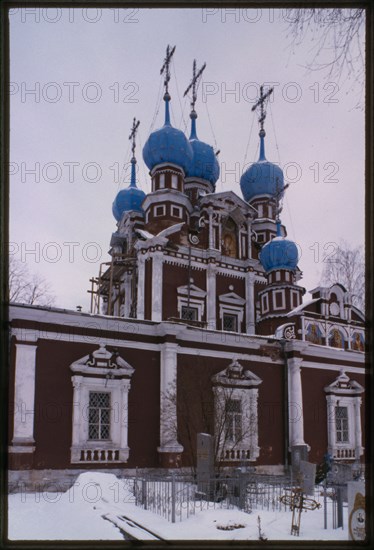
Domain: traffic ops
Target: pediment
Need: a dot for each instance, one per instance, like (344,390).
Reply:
(194,291)
(102,361)
(228,200)
(232,298)
(235,375)
(343,385)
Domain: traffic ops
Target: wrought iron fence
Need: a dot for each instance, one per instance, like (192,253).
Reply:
(176,498)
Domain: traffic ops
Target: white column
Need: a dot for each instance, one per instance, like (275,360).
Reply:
(250,303)
(157,287)
(331,424)
(211,297)
(124,419)
(295,403)
(249,241)
(140,287)
(127,288)
(24,398)
(358,432)
(77,415)
(168,397)
(255,450)
(210,229)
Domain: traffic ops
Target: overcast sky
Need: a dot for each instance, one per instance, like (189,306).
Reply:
(80,76)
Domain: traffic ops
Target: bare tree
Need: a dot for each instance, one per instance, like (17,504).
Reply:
(338,38)
(347,266)
(28,288)
(199,410)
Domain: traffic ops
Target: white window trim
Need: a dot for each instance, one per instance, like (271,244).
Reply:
(277,276)
(247,392)
(349,449)
(118,422)
(231,310)
(282,293)
(163,210)
(197,299)
(294,299)
(287,276)
(161,181)
(194,302)
(180,212)
(114,379)
(265,298)
(344,392)
(174,181)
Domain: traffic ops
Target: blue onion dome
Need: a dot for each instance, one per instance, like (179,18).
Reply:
(130,198)
(279,253)
(262,177)
(167,145)
(204,163)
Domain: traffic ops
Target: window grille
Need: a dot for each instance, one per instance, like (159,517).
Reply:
(341,419)
(99,416)
(189,313)
(230,322)
(234,420)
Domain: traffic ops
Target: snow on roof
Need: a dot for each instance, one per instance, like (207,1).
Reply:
(302,306)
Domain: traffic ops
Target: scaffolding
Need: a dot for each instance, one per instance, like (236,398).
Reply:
(109,279)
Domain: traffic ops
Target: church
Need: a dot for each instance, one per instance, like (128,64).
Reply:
(197,325)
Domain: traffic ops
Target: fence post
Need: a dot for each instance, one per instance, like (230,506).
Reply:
(173,498)
(324,504)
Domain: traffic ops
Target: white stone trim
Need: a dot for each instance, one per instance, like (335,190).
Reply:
(250,303)
(24,396)
(211,296)
(168,405)
(282,293)
(265,298)
(353,447)
(247,446)
(157,285)
(119,416)
(295,403)
(157,207)
(140,291)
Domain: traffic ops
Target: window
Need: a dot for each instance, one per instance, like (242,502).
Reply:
(295,298)
(100,381)
(162,181)
(190,313)
(260,237)
(99,416)
(260,210)
(234,420)
(174,181)
(230,322)
(279,299)
(176,211)
(277,276)
(265,303)
(344,431)
(160,210)
(235,392)
(341,422)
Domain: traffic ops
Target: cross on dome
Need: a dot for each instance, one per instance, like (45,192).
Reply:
(261,104)
(194,83)
(166,67)
(132,136)
(134,129)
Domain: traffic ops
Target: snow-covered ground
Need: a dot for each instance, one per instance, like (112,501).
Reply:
(101,507)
